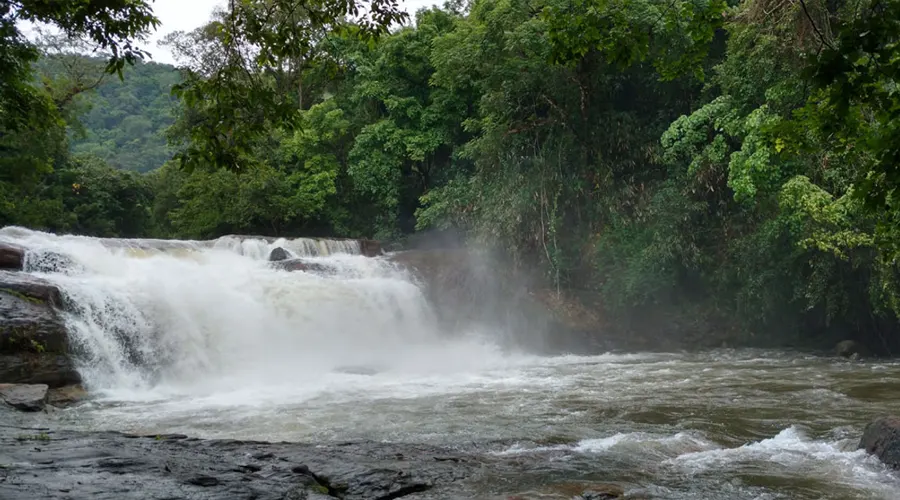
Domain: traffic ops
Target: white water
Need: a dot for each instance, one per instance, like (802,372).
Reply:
(205,338)
(185,317)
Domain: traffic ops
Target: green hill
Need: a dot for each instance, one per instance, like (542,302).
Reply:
(124,121)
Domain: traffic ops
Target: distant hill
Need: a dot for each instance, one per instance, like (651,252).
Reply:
(126,122)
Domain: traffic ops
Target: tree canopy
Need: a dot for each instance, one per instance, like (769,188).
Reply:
(726,166)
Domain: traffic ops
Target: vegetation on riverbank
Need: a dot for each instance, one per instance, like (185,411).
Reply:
(702,162)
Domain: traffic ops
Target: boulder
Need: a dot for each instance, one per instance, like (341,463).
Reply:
(66,396)
(11,256)
(278,254)
(370,248)
(33,341)
(53,369)
(882,439)
(303,265)
(850,349)
(25,397)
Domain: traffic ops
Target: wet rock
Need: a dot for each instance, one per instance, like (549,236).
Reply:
(11,256)
(33,340)
(24,397)
(30,287)
(279,254)
(605,492)
(61,464)
(370,248)
(850,349)
(882,439)
(55,370)
(67,395)
(304,265)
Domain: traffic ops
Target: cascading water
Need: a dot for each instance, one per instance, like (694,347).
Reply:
(197,317)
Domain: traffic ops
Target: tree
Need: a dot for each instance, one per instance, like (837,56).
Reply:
(237,90)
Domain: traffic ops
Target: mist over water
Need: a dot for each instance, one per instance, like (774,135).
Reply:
(208,339)
(196,317)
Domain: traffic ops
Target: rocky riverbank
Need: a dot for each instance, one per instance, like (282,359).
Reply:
(37,462)
(40,463)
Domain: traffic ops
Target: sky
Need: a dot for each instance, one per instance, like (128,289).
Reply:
(185,15)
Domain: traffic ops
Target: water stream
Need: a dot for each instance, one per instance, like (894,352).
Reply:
(207,339)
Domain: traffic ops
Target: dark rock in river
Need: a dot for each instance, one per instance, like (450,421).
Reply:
(882,439)
(24,397)
(604,493)
(11,256)
(278,254)
(303,265)
(108,465)
(33,341)
(370,248)
(850,349)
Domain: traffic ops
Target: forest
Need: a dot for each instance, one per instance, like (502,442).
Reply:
(734,161)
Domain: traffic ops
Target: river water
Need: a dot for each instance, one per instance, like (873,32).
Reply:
(207,339)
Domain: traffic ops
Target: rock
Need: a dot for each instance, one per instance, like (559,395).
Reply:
(33,341)
(370,248)
(882,439)
(67,395)
(11,256)
(52,465)
(605,492)
(304,265)
(278,254)
(850,349)
(24,397)
(30,287)
(55,370)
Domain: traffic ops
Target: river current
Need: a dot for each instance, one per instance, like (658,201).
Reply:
(207,339)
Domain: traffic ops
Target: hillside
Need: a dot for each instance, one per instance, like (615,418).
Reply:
(124,122)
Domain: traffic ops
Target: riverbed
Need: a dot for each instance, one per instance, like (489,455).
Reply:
(727,424)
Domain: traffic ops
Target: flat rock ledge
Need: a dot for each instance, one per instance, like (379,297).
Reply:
(39,463)
(24,397)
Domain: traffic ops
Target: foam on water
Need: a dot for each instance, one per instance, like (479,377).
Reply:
(793,452)
(219,317)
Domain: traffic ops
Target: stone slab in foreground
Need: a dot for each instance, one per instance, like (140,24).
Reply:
(24,397)
(36,463)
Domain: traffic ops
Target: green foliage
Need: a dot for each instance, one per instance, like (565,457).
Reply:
(127,120)
(248,80)
(720,162)
(673,35)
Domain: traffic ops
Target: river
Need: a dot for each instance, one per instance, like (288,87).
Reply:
(209,340)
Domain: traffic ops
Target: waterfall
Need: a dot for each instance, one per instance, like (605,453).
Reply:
(200,315)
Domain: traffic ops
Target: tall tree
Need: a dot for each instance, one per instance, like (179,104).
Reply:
(252,83)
